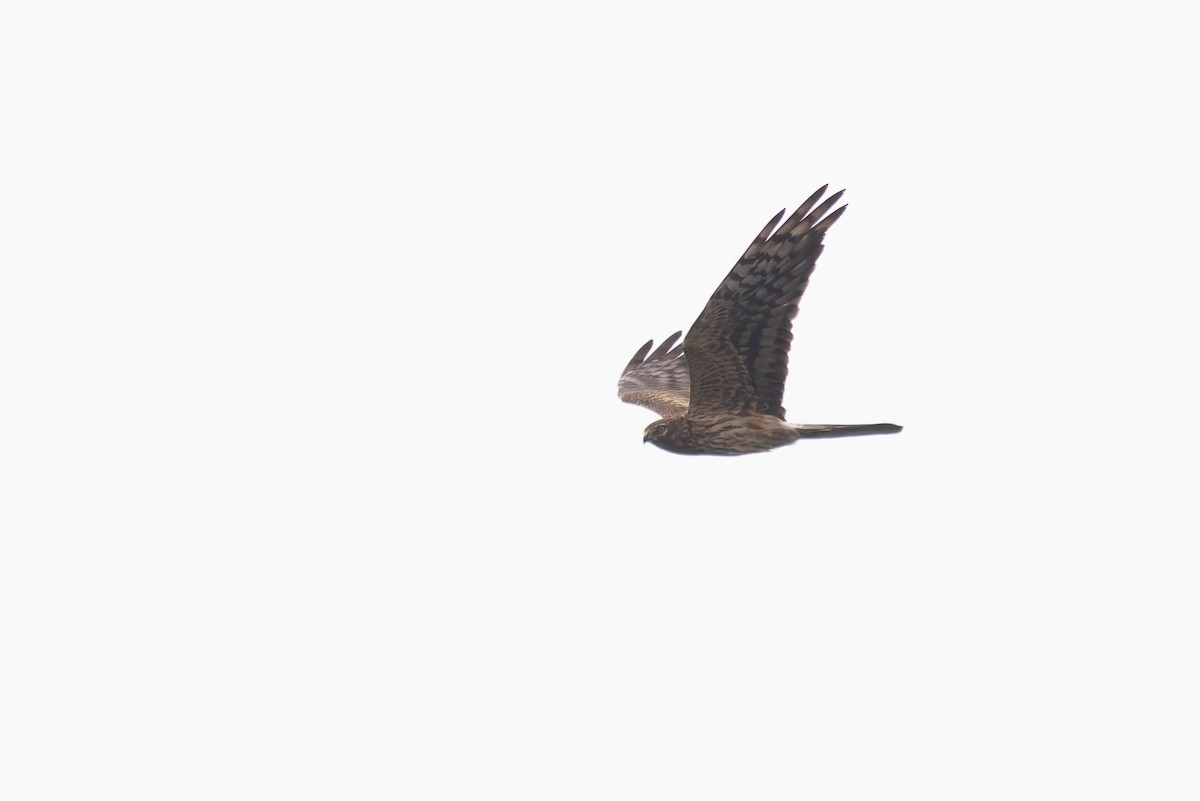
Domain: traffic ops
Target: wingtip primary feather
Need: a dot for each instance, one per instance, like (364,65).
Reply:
(665,346)
(801,218)
(665,349)
(814,197)
(831,218)
(828,203)
(817,219)
(638,357)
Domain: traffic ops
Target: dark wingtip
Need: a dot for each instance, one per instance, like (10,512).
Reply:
(816,220)
(644,355)
(675,351)
(638,357)
(665,346)
(803,217)
(832,217)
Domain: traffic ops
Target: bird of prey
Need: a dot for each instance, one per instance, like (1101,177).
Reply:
(721,390)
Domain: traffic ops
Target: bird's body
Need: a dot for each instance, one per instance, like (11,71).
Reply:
(723,434)
(721,391)
(737,434)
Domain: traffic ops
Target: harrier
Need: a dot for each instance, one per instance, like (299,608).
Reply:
(721,390)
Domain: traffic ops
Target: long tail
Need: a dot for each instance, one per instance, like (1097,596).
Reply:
(859,430)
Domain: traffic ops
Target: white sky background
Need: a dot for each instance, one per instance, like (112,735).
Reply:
(315,484)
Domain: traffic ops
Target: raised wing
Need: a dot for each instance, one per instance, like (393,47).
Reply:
(658,381)
(737,350)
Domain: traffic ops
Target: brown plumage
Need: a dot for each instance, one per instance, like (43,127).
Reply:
(721,390)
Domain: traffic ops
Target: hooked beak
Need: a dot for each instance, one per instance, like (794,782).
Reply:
(645,437)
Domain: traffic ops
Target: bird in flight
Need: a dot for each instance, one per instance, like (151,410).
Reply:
(721,390)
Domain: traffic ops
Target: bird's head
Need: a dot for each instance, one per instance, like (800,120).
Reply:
(670,434)
(655,431)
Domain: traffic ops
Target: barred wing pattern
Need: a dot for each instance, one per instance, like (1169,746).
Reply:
(658,381)
(737,350)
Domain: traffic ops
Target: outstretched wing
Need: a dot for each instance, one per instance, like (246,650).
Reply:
(737,350)
(658,381)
